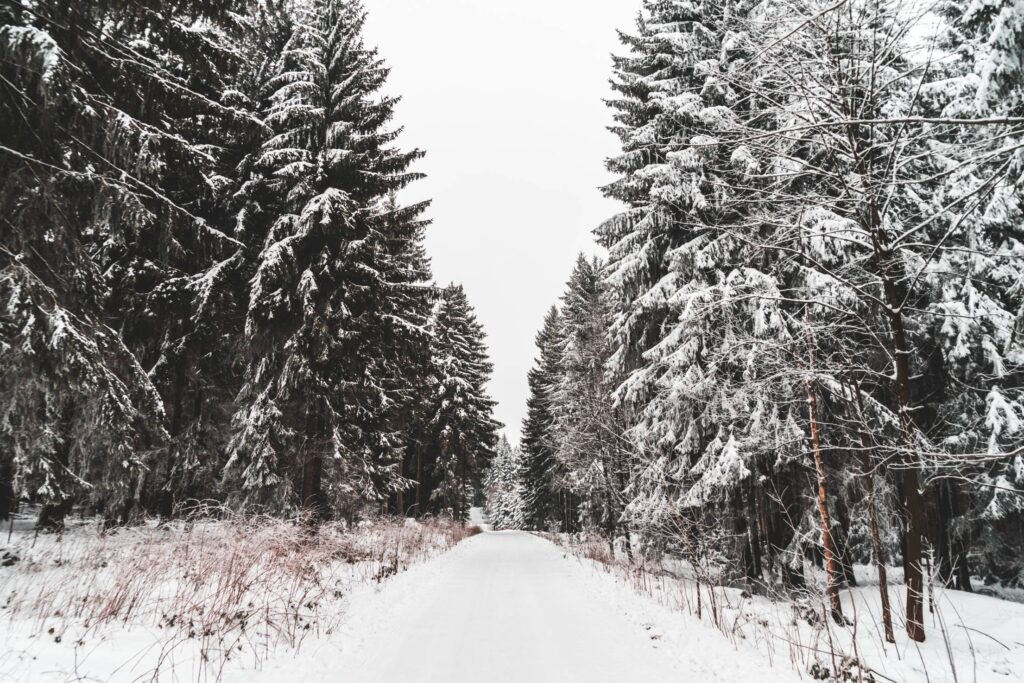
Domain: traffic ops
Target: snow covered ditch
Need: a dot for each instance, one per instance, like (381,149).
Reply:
(189,600)
(970,637)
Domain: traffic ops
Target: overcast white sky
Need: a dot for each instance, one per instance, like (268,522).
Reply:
(506,98)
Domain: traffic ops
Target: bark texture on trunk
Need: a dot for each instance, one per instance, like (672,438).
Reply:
(827,545)
(311,497)
(891,275)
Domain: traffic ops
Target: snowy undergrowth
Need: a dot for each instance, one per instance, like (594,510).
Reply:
(186,600)
(971,637)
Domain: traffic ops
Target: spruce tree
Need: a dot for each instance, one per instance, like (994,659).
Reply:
(592,453)
(463,433)
(546,503)
(106,116)
(677,259)
(405,309)
(195,350)
(504,489)
(330,282)
(976,302)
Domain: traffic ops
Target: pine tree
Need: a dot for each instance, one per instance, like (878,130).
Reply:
(672,93)
(107,167)
(194,352)
(683,275)
(976,302)
(545,502)
(592,453)
(504,489)
(314,428)
(463,433)
(405,339)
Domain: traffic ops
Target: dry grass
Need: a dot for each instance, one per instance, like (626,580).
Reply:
(801,635)
(795,627)
(251,583)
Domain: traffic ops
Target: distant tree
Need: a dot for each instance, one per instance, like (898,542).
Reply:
(504,489)
(463,433)
(546,503)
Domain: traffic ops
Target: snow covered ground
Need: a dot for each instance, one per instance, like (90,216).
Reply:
(970,637)
(189,602)
(499,606)
(510,607)
(505,606)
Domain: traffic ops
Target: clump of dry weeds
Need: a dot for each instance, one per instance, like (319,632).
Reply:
(222,583)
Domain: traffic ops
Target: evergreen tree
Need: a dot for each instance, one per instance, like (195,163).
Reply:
(672,92)
(683,275)
(504,490)
(592,453)
(194,353)
(545,502)
(106,117)
(463,433)
(211,289)
(314,426)
(405,339)
(976,301)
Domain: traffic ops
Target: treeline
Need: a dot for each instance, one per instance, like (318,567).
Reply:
(505,488)
(209,289)
(807,342)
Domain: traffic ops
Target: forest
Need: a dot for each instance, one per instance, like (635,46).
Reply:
(210,289)
(783,386)
(804,341)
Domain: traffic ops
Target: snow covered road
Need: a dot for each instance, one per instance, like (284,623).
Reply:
(511,607)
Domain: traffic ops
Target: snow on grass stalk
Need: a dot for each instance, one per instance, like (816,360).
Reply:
(974,633)
(219,586)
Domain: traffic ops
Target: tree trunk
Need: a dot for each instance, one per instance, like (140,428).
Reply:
(879,553)
(419,482)
(51,516)
(890,273)
(8,500)
(827,543)
(311,492)
(842,542)
(399,496)
(744,547)
(913,502)
(868,462)
(754,539)
(165,494)
(831,568)
(952,557)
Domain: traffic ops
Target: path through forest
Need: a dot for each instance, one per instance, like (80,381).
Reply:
(509,606)
(512,607)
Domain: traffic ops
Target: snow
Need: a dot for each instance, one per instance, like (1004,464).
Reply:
(500,606)
(476,516)
(513,607)
(46,54)
(971,636)
(193,603)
